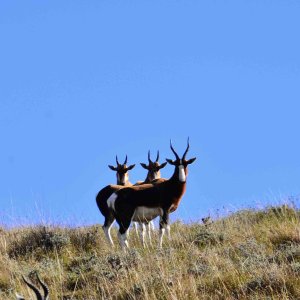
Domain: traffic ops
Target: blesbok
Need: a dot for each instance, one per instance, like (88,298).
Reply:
(153,174)
(36,291)
(105,193)
(122,176)
(145,202)
(122,172)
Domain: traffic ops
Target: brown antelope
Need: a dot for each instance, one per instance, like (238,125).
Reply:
(153,168)
(122,181)
(122,176)
(36,291)
(145,202)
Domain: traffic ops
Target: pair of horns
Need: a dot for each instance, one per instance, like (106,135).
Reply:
(149,159)
(186,151)
(125,162)
(36,290)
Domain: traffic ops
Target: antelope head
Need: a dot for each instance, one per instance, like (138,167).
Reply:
(122,171)
(153,167)
(181,163)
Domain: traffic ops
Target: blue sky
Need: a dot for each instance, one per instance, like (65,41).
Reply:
(82,81)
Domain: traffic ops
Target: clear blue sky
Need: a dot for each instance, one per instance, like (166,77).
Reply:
(82,81)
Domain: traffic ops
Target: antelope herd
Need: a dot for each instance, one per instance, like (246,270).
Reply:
(141,202)
(145,200)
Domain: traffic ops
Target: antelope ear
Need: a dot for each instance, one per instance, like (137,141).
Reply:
(112,168)
(130,167)
(144,166)
(190,160)
(163,165)
(170,161)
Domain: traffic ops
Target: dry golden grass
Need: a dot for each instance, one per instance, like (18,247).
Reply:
(247,255)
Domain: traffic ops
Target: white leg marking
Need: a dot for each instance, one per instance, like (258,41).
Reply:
(161,234)
(149,231)
(169,232)
(136,228)
(142,232)
(106,230)
(181,174)
(123,240)
(111,201)
(152,226)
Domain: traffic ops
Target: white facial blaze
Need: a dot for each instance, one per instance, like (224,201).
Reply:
(182,176)
(125,178)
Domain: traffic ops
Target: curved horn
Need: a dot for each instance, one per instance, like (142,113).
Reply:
(157,157)
(36,291)
(149,159)
(187,149)
(125,162)
(177,157)
(44,287)
(117,160)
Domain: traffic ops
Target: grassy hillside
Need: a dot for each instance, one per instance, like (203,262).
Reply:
(248,255)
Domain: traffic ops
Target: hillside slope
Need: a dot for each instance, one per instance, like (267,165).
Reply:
(247,255)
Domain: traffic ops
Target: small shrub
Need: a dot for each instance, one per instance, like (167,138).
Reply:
(5,284)
(205,237)
(115,262)
(84,239)
(281,239)
(284,211)
(41,238)
(199,269)
(83,264)
(251,254)
(124,261)
(268,283)
(295,266)
(87,269)
(132,259)
(289,252)
(136,292)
